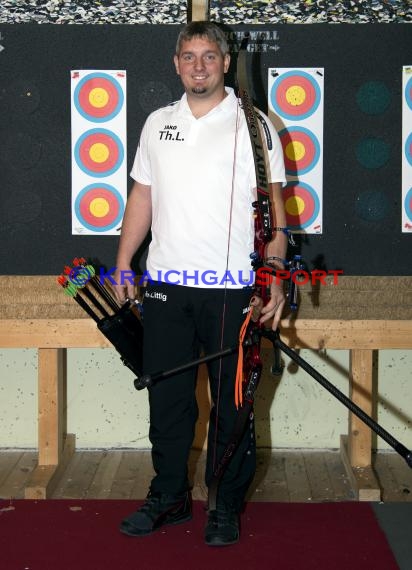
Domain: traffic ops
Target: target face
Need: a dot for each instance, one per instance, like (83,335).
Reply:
(408,93)
(99,152)
(408,149)
(408,204)
(99,207)
(301,205)
(295,95)
(98,97)
(301,150)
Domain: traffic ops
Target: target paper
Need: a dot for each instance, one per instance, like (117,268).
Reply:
(302,206)
(407,149)
(295,103)
(99,207)
(99,177)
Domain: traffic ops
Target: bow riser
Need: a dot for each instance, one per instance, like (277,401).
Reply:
(260,242)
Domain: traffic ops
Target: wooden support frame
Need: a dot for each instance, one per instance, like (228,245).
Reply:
(53,336)
(363,314)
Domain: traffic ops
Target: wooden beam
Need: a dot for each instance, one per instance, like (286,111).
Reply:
(316,334)
(347,334)
(198,10)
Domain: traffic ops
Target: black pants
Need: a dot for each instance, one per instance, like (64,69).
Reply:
(178,322)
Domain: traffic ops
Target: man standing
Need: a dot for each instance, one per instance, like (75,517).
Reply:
(194,187)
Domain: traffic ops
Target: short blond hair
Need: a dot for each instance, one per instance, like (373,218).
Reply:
(204,29)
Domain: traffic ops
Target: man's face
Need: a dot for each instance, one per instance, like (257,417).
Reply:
(201,67)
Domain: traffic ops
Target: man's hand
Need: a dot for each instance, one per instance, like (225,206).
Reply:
(124,287)
(274,307)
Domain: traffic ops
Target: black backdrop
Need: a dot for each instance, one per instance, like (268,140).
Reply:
(362,204)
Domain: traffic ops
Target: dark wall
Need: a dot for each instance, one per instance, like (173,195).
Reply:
(362,192)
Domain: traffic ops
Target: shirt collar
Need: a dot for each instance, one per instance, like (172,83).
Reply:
(224,106)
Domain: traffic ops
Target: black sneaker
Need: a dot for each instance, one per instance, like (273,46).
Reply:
(158,510)
(222,528)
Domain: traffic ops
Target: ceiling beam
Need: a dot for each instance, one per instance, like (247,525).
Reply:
(198,10)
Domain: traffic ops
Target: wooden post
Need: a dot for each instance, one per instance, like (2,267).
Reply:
(357,448)
(55,446)
(360,437)
(51,422)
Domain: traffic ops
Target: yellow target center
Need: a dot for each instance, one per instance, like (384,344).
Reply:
(294,205)
(295,150)
(98,97)
(99,207)
(295,95)
(99,152)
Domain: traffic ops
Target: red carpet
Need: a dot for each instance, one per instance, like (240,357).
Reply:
(83,535)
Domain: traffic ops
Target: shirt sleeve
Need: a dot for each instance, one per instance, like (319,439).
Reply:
(141,169)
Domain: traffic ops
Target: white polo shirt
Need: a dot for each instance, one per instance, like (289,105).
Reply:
(203,183)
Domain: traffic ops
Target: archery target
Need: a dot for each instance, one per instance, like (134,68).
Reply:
(301,150)
(408,93)
(302,205)
(99,207)
(98,97)
(99,152)
(408,204)
(99,177)
(295,104)
(408,149)
(295,95)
